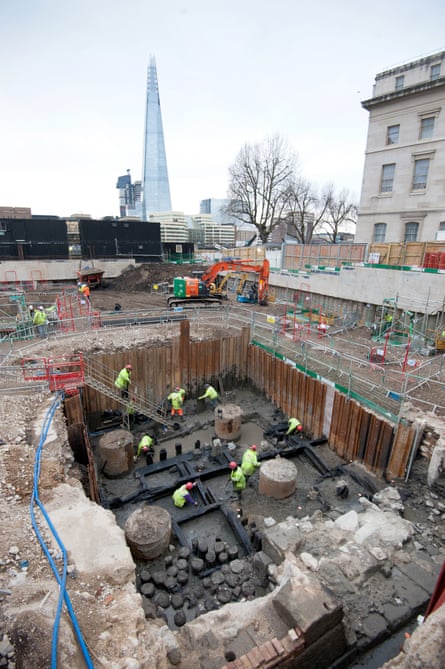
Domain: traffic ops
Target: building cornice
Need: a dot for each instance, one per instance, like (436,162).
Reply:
(403,93)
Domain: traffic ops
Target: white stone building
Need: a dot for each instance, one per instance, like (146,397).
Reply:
(174,228)
(403,187)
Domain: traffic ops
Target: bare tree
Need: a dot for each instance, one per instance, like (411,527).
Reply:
(339,211)
(305,209)
(259,180)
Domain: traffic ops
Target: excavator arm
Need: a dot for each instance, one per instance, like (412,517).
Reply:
(210,275)
(208,290)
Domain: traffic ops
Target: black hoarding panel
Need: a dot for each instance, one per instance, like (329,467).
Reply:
(45,250)
(120,238)
(18,229)
(46,230)
(42,238)
(8,250)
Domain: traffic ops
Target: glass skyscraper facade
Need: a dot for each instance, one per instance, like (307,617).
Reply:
(155,185)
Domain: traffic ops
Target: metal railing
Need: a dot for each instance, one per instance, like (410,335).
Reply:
(102,378)
(383,387)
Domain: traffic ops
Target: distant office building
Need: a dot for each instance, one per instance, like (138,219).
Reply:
(155,185)
(216,208)
(15,212)
(174,227)
(402,198)
(129,196)
(206,232)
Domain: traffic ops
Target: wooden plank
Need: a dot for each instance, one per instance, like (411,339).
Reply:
(363,436)
(402,444)
(343,428)
(310,402)
(320,401)
(339,401)
(386,437)
(286,390)
(372,442)
(352,444)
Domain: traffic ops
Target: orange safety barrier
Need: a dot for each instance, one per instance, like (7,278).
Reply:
(65,373)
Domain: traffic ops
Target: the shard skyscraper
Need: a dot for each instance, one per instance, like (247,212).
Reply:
(155,186)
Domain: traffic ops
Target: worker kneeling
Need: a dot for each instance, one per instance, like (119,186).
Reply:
(249,462)
(294,426)
(182,495)
(237,477)
(145,445)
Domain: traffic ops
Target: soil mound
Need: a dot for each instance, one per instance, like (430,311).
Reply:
(142,277)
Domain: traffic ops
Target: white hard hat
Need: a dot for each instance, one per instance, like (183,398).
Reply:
(41,308)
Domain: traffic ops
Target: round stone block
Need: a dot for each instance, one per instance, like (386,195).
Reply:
(278,478)
(148,532)
(116,452)
(228,422)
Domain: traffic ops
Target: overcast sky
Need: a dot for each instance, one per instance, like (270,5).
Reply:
(230,72)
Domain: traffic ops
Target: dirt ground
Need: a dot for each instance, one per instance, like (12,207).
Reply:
(26,580)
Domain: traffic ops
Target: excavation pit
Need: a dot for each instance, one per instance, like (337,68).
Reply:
(179,591)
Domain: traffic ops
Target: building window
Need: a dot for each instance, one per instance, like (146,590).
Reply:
(426,127)
(379,232)
(435,72)
(442,226)
(411,230)
(392,135)
(387,178)
(420,176)
(400,82)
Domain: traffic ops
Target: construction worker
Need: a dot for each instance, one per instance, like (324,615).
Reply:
(237,477)
(85,291)
(40,320)
(294,425)
(249,462)
(388,319)
(146,444)
(182,495)
(123,380)
(177,400)
(211,395)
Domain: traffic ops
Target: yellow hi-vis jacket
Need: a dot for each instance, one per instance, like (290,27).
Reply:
(238,479)
(145,443)
(292,425)
(177,398)
(123,379)
(249,462)
(210,394)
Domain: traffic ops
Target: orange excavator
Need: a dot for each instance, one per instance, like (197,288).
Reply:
(208,290)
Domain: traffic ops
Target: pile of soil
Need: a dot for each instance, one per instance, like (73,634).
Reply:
(143,277)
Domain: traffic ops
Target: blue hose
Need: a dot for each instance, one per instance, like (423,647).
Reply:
(61,579)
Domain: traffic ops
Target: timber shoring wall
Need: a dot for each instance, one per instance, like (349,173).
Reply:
(352,431)
(289,389)
(159,367)
(80,443)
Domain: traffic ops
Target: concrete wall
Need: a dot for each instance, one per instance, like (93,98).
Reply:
(56,270)
(417,291)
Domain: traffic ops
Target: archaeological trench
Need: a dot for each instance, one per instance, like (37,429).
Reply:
(317,560)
